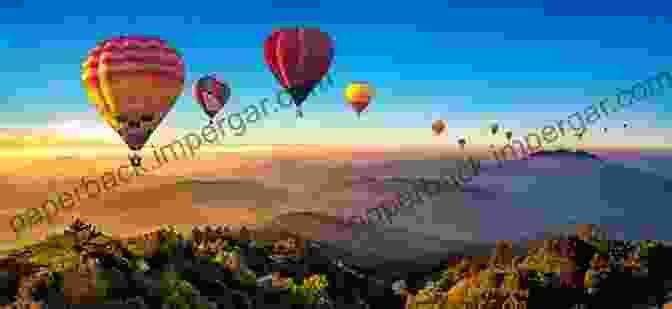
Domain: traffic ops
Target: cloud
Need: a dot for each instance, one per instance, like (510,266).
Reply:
(79,127)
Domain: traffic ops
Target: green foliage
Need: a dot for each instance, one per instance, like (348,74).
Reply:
(535,278)
(137,264)
(309,290)
(248,278)
(219,259)
(441,279)
(177,292)
(437,276)
(102,284)
(266,246)
(228,249)
(602,246)
(231,247)
(646,247)
(443,282)
(168,279)
(55,280)
(168,247)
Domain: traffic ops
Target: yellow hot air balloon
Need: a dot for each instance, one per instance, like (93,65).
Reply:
(359,95)
(133,82)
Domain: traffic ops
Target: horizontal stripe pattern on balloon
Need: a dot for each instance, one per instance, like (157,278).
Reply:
(159,57)
(137,55)
(146,62)
(134,83)
(169,72)
(120,57)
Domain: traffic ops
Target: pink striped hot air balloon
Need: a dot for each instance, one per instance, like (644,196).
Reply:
(134,81)
(299,58)
(211,94)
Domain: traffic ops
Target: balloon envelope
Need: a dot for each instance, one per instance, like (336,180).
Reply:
(211,94)
(438,126)
(134,82)
(299,58)
(494,128)
(359,94)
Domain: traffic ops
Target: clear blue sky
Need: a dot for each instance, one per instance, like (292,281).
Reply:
(426,58)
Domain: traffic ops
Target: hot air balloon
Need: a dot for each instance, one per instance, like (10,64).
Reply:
(494,127)
(134,81)
(438,126)
(299,58)
(211,94)
(462,141)
(359,94)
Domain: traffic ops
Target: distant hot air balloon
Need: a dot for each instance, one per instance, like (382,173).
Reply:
(133,81)
(438,126)
(508,135)
(211,94)
(494,127)
(359,95)
(462,141)
(299,58)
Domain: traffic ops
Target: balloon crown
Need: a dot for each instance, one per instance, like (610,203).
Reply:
(131,38)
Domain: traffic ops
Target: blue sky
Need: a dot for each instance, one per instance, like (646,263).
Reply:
(464,61)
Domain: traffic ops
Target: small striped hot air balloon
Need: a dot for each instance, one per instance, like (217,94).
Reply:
(134,81)
(211,95)
(359,95)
